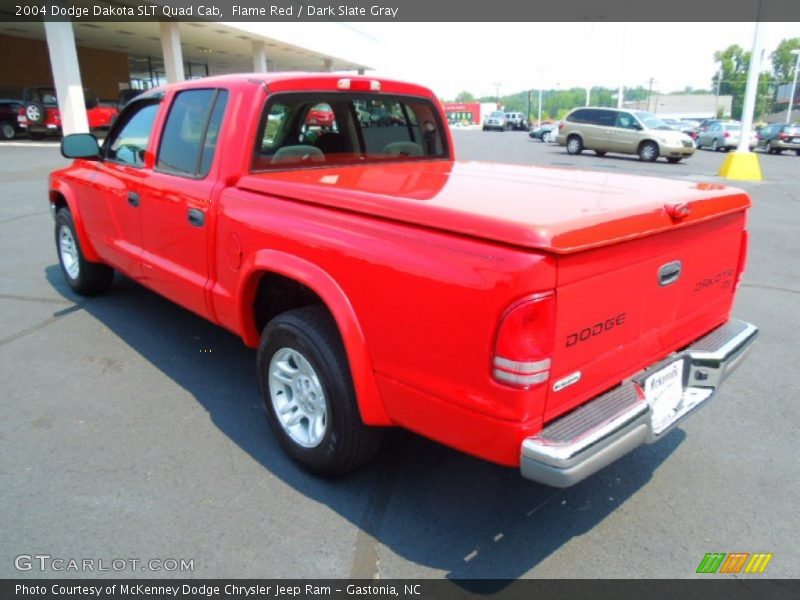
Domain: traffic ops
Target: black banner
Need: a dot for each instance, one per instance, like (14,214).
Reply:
(711,11)
(713,588)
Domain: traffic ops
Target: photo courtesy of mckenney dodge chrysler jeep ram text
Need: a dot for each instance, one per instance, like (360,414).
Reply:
(550,320)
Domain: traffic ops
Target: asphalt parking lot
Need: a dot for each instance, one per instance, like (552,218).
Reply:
(131,429)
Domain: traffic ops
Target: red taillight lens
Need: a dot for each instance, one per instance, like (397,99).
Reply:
(726,134)
(742,259)
(560,127)
(525,342)
(784,136)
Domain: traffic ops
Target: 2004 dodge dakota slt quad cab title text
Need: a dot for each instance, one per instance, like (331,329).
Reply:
(547,319)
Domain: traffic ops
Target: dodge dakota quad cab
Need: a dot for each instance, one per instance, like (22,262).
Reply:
(551,320)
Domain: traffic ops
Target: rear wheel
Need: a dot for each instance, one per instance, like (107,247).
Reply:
(305,384)
(797,152)
(715,145)
(768,148)
(574,144)
(648,152)
(84,277)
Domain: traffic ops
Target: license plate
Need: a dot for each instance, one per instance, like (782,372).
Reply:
(663,391)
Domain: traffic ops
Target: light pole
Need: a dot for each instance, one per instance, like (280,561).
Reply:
(743,164)
(539,115)
(796,52)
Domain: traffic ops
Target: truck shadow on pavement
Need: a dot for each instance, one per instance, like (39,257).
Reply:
(425,503)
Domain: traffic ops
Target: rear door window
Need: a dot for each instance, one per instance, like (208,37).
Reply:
(190,135)
(315,129)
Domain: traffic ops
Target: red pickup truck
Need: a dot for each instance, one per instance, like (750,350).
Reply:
(546,319)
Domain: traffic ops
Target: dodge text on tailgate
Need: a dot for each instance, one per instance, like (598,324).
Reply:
(546,319)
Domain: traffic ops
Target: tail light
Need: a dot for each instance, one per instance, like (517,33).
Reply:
(742,259)
(726,134)
(784,136)
(560,127)
(524,342)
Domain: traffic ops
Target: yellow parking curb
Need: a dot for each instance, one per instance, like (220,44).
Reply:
(743,166)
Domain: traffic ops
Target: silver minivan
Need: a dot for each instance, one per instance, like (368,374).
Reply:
(624,131)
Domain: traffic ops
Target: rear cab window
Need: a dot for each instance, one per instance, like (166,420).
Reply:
(338,128)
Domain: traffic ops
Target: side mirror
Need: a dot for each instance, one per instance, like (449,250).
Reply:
(80,145)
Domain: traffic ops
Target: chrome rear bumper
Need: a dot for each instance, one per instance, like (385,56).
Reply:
(611,425)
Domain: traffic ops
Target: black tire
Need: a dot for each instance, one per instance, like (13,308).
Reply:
(574,144)
(7,130)
(600,152)
(768,148)
(346,443)
(89,279)
(715,145)
(797,152)
(674,159)
(648,151)
(697,143)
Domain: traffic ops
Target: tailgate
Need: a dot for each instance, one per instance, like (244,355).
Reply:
(623,307)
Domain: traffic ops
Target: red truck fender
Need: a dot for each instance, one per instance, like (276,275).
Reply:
(60,192)
(255,266)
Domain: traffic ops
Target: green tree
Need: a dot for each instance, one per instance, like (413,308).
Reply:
(732,66)
(465,96)
(783,61)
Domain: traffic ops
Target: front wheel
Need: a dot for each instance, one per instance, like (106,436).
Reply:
(307,390)
(574,145)
(7,131)
(648,152)
(84,277)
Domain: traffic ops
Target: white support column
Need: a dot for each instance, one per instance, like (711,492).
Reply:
(327,65)
(171,49)
(66,76)
(259,57)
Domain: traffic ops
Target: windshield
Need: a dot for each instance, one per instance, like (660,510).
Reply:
(318,129)
(650,121)
(497,115)
(791,130)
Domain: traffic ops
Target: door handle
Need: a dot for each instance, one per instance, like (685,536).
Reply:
(669,273)
(133,199)
(197,217)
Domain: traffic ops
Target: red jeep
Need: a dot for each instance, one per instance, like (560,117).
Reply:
(547,319)
(40,116)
